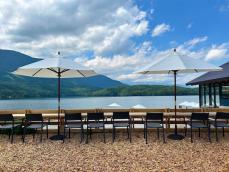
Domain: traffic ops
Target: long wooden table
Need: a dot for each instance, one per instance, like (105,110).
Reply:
(137,115)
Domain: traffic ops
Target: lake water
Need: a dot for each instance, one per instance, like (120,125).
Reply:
(96,102)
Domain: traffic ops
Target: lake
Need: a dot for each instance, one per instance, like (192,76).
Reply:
(96,102)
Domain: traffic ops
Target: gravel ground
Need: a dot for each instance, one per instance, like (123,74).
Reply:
(119,156)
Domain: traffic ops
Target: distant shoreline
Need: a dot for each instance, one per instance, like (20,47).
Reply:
(134,90)
(47,98)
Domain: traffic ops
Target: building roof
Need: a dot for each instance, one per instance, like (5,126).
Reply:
(212,77)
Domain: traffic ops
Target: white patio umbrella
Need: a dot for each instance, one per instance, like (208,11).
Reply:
(55,68)
(189,104)
(116,105)
(138,106)
(176,63)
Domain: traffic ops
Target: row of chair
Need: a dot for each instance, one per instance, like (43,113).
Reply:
(119,120)
(97,121)
(202,120)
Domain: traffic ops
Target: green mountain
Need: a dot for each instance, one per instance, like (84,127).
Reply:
(144,90)
(13,86)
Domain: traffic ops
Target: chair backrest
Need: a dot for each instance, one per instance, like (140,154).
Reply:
(154,116)
(34,117)
(200,116)
(6,117)
(121,115)
(95,116)
(72,117)
(222,115)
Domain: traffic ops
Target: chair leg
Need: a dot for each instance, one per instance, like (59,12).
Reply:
(163,134)
(146,135)
(113,134)
(90,132)
(158,133)
(81,135)
(34,133)
(223,131)
(128,134)
(144,132)
(24,133)
(185,133)
(41,134)
(104,134)
(64,134)
(69,133)
(191,135)
(82,131)
(216,134)
(209,134)
(9,133)
(12,135)
(47,131)
(199,132)
(87,135)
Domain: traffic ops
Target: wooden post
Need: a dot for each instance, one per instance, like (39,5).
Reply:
(200,96)
(220,94)
(214,92)
(210,94)
(204,95)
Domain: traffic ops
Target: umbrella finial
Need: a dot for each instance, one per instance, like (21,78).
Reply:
(58,53)
(174,50)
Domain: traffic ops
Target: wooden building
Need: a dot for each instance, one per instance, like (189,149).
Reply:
(213,87)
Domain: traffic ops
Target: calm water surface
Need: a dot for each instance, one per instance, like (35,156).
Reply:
(96,102)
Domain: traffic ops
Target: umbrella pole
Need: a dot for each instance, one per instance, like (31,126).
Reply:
(58,103)
(58,136)
(175,136)
(175,100)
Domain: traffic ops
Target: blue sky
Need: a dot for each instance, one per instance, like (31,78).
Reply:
(188,19)
(116,38)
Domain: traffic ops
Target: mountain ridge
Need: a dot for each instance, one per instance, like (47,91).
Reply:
(15,86)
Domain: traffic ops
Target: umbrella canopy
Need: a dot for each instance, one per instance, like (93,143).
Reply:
(114,105)
(189,104)
(138,106)
(49,68)
(176,63)
(55,68)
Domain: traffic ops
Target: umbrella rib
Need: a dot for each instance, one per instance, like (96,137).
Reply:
(37,72)
(51,69)
(65,70)
(80,73)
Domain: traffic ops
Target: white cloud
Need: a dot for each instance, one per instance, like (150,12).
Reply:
(224,8)
(118,66)
(104,27)
(218,52)
(189,26)
(125,77)
(152,11)
(160,29)
(123,67)
(196,41)
(45,27)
